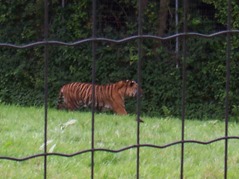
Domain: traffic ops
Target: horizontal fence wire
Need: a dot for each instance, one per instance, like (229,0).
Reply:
(120,41)
(140,37)
(179,142)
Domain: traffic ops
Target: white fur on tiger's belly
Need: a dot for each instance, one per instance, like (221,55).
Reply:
(107,106)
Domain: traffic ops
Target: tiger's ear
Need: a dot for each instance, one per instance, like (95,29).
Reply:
(132,83)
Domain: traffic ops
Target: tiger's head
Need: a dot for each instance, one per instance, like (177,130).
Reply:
(129,88)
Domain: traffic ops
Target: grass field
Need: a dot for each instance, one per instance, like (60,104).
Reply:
(22,134)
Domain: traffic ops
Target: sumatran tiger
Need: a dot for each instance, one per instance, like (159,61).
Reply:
(110,96)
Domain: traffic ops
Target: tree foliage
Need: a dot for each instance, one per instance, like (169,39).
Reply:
(22,70)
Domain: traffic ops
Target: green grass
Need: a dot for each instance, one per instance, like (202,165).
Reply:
(22,134)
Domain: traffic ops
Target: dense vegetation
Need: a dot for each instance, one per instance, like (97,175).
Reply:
(21,72)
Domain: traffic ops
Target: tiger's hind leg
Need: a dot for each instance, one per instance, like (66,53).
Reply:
(63,104)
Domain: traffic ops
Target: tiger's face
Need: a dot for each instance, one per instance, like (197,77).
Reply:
(131,89)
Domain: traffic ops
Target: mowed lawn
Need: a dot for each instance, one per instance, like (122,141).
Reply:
(22,135)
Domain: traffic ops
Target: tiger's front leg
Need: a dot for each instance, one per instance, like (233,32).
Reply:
(119,109)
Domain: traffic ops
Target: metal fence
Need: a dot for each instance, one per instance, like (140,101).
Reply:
(139,37)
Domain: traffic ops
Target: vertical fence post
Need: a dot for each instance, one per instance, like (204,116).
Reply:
(228,56)
(176,30)
(93,87)
(185,6)
(46,54)
(139,84)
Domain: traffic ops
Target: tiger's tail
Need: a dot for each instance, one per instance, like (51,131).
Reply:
(60,102)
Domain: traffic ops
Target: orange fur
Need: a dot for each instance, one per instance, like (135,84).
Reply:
(111,96)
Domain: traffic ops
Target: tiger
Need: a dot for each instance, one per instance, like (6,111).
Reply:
(75,95)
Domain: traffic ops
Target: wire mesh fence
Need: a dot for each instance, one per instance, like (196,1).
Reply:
(184,35)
